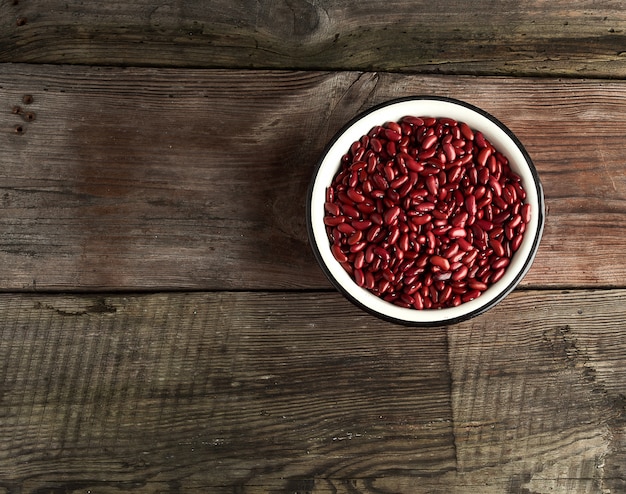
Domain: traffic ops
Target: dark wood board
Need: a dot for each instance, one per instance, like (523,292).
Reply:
(284,392)
(156,179)
(506,37)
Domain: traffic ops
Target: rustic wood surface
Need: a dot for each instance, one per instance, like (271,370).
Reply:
(531,37)
(164,326)
(263,392)
(170,179)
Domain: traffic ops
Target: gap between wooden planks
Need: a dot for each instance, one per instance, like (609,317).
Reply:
(155,179)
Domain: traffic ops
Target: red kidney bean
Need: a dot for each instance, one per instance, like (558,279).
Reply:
(359,277)
(497,275)
(460,273)
(355,195)
(355,238)
(503,262)
(466,131)
(334,220)
(429,142)
(479,139)
(350,211)
(394,235)
(470,204)
(515,221)
(338,253)
(471,295)
(495,185)
(398,182)
(457,232)
(498,250)
(441,262)
(470,257)
(484,155)
(425,213)
(390,216)
(357,247)
(477,285)
(346,228)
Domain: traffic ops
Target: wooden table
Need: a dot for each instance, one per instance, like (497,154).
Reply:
(164,326)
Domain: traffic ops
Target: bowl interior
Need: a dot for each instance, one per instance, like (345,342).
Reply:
(501,138)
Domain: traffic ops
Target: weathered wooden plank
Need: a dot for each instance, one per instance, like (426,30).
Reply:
(531,37)
(284,392)
(158,179)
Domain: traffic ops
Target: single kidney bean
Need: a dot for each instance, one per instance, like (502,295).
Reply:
(425,212)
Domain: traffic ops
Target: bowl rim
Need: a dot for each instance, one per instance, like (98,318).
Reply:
(480,307)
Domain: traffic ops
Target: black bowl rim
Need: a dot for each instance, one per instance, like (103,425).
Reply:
(469,315)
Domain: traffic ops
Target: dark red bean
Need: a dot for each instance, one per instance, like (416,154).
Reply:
(515,221)
(362,224)
(359,260)
(422,220)
(382,253)
(413,165)
(346,228)
(432,184)
(355,238)
(339,255)
(497,247)
(470,204)
(369,281)
(414,121)
(374,233)
(471,295)
(392,135)
(332,208)
(460,273)
(359,277)
(358,247)
(355,195)
(466,131)
(503,262)
(429,142)
(495,186)
(425,207)
(457,232)
(394,235)
(391,215)
(479,139)
(399,182)
(334,220)
(497,275)
(484,155)
(376,145)
(441,262)
(350,211)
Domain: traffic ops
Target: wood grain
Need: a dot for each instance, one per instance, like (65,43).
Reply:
(150,179)
(284,392)
(514,38)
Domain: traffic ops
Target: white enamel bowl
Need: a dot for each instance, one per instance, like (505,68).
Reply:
(499,136)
